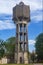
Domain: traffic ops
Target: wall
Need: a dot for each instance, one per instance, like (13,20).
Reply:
(3,60)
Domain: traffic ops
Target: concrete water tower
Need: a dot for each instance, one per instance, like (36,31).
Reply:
(21,17)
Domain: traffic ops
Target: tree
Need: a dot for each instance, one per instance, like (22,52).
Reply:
(2,51)
(10,45)
(39,46)
(33,56)
(7,47)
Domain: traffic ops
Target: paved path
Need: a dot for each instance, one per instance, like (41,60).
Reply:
(38,64)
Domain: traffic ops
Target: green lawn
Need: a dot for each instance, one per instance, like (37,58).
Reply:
(16,64)
(23,64)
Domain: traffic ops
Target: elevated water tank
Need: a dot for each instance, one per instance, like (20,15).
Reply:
(21,12)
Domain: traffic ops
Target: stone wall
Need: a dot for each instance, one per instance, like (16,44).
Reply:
(3,60)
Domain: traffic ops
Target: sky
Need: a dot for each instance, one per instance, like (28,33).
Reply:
(7,26)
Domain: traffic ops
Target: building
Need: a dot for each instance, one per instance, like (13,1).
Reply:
(21,17)
(3,60)
(7,59)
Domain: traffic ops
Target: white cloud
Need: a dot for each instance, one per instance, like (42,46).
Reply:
(32,42)
(6,25)
(7,5)
(37,18)
(34,4)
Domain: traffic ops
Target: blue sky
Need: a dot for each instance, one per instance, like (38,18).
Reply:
(7,26)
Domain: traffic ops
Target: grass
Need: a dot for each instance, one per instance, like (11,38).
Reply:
(24,64)
(16,64)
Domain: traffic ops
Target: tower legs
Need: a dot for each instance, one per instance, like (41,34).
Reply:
(21,55)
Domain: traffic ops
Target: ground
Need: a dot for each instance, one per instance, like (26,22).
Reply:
(21,64)
(16,64)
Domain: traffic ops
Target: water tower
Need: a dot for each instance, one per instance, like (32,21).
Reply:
(21,17)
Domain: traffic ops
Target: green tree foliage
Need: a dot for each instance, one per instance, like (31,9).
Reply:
(39,46)
(7,47)
(10,45)
(2,51)
(33,57)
